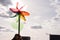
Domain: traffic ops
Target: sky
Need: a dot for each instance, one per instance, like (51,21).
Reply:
(45,13)
(41,11)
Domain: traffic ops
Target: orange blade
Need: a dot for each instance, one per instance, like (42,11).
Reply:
(25,13)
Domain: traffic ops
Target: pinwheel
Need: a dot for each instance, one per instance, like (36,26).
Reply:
(21,14)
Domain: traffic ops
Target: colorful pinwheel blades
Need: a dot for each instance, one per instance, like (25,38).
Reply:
(23,14)
(18,11)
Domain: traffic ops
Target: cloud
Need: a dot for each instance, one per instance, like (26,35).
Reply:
(2,27)
(5,2)
(4,13)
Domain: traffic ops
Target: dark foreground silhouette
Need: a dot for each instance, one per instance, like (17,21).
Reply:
(17,37)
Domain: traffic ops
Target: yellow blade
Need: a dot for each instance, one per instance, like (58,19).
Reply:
(22,17)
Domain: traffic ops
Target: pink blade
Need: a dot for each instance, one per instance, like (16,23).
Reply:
(21,7)
(17,5)
(14,10)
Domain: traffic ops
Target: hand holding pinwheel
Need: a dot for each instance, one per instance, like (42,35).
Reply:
(21,15)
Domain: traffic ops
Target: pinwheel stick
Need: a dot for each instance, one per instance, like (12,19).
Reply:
(19,24)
